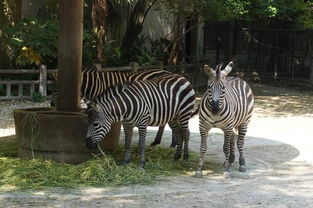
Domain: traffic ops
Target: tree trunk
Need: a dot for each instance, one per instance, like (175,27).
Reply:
(70,54)
(135,23)
(99,13)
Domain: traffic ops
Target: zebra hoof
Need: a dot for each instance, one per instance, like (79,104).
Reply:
(154,144)
(226,165)
(124,163)
(232,158)
(172,145)
(242,168)
(198,174)
(142,168)
(176,157)
(186,157)
(226,174)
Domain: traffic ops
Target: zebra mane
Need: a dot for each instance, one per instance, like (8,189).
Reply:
(218,71)
(112,91)
(95,70)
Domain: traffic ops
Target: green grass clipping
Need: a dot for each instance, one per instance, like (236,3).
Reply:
(103,170)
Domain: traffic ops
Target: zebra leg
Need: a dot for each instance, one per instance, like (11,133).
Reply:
(203,149)
(128,137)
(176,129)
(158,137)
(142,138)
(174,141)
(226,148)
(232,148)
(185,137)
(240,144)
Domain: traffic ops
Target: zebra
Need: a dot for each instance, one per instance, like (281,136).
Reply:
(143,103)
(227,104)
(95,82)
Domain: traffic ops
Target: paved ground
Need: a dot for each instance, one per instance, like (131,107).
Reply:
(279,160)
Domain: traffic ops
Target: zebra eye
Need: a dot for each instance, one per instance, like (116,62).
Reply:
(95,124)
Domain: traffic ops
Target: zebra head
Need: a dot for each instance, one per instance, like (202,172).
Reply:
(216,85)
(98,125)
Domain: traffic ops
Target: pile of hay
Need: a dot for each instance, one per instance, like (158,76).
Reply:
(103,170)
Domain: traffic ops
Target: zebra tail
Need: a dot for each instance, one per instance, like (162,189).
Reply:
(195,112)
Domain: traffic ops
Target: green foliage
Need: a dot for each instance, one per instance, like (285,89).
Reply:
(33,41)
(137,53)
(37,97)
(295,13)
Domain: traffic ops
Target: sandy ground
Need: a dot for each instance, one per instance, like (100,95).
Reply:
(279,160)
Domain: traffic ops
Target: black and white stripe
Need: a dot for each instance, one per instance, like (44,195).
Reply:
(145,103)
(227,104)
(95,82)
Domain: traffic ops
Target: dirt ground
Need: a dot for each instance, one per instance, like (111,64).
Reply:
(279,158)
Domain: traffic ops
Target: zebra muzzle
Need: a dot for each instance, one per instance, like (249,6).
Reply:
(90,144)
(215,108)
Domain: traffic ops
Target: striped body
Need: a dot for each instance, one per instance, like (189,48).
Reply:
(228,105)
(155,102)
(94,82)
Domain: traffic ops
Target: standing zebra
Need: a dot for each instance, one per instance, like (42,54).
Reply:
(95,82)
(143,103)
(228,105)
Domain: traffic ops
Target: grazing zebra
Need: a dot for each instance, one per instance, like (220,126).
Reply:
(94,83)
(228,105)
(143,103)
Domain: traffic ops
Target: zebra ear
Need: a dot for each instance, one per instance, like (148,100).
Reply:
(208,71)
(91,106)
(228,68)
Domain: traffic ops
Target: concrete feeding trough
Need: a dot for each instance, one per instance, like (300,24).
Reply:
(55,135)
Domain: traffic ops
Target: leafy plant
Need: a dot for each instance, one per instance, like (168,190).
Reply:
(33,41)
(37,97)
(139,53)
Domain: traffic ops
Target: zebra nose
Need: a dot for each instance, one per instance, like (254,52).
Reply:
(215,107)
(90,144)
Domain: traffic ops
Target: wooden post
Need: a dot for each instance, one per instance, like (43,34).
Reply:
(70,54)
(32,89)
(134,65)
(181,68)
(98,67)
(161,65)
(20,90)
(311,70)
(43,80)
(8,90)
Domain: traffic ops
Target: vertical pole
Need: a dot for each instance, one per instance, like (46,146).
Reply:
(70,54)
(20,90)
(32,89)
(134,66)
(43,80)
(9,90)
(161,65)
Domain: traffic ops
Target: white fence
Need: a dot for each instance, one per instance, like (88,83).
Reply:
(24,89)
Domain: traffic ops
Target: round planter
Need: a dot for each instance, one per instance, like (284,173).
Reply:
(60,136)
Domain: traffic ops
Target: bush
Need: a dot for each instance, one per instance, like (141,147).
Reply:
(34,41)
(38,98)
(139,52)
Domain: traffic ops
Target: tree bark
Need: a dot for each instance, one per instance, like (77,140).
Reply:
(70,54)
(99,13)
(135,24)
